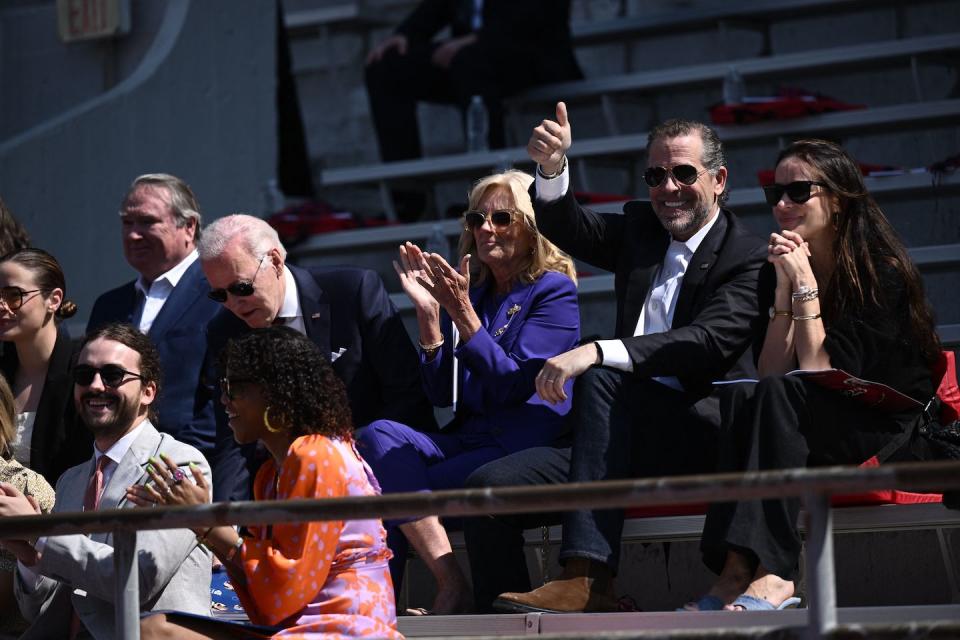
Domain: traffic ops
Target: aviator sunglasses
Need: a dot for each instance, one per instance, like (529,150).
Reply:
(111,375)
(798,192)
(500,219)
(685,174)
(240,288)
(14,297)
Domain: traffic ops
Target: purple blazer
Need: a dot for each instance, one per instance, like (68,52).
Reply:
(498,365)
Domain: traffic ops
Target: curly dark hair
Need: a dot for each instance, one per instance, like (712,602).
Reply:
(130,336)
(12,234)
(297,381)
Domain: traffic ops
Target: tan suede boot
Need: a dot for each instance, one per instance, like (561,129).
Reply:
(584,586)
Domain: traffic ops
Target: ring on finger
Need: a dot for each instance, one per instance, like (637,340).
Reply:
(178,476)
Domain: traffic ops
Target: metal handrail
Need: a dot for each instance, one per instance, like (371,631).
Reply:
(814,485)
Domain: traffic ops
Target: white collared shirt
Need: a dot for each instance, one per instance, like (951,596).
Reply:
(290,310)
(156,293)
(656,315)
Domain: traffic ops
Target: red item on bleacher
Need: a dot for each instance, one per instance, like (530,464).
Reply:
(787,104)
(298,222)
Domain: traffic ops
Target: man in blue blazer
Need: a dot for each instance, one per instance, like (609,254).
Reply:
(345,311)
(160,222)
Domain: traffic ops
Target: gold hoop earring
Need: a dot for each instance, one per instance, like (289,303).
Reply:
(266,422)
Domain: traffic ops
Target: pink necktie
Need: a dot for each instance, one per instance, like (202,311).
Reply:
(91,501)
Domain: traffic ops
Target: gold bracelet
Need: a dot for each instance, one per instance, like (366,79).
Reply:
(812,316)
(431,347)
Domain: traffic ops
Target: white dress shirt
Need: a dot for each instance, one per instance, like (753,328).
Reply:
(656,315)
(291,313)
(155,294)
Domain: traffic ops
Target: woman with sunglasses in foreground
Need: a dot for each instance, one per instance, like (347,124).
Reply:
(303,579)
(513,303)
(49,438)
(843,294)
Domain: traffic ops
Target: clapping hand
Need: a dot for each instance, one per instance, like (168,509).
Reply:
(550,140)
(449,287)
(169,485)
(413,270)
(15,503)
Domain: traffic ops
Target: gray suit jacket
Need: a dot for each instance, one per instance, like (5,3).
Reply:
(174,571)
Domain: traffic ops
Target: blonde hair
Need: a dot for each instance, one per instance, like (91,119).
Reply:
(7,419)
(544,255)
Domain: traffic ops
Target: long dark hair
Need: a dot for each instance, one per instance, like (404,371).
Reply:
(865,242)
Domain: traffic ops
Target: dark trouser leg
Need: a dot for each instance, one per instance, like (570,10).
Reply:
(495,543)
(626,427)
(780,423)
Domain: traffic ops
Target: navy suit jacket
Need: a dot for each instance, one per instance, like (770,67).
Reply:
(344,308)
(185,407)
(717,313)
(499,364)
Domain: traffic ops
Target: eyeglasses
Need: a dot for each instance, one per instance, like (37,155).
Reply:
(225,384)
(798,192)
(685,174)
(240,288)
(111,375)
(500,219)
(14,297)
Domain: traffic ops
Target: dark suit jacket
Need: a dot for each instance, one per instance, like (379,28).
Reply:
(343,308)
(185,405)
(60,440)
(717,312)
(533,34)
(499,364)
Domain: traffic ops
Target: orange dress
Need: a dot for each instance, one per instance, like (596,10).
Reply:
(319,579)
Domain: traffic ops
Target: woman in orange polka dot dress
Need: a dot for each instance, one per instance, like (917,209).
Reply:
(295,580)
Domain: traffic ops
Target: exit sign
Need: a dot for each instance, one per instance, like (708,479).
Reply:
(91,19)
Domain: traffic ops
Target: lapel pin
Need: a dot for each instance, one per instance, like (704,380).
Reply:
(314,316)
(704,266)
(512,310)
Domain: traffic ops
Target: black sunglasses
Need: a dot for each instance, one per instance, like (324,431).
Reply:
(240,288)
(225,384)
(14,297)
(111,375)
(500,219)
(798,192)
(685,174)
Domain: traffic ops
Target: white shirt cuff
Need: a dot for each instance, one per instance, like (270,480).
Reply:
(550,189)
(29,577)
(615,355)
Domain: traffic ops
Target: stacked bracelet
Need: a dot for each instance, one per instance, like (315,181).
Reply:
(551,176)
(805,294)
(812,316)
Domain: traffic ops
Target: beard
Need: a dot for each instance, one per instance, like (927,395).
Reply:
(115,420)
(686,224)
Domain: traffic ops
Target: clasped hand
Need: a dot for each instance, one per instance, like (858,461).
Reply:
(790,255)
(15,503)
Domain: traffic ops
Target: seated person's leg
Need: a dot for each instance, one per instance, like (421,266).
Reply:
(495,542)
(624,427)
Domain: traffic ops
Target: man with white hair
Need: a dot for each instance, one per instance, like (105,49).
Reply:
(345,311)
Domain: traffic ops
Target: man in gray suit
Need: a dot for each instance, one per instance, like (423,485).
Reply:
(64,584)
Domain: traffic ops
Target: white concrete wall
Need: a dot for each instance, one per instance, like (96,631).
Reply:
(200,105)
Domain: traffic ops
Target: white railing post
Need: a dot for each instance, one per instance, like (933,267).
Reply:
(821,583)
(126,586)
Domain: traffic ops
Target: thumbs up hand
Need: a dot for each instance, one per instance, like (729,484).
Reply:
(550,140)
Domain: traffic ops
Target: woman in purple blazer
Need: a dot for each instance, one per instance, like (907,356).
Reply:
(513,303)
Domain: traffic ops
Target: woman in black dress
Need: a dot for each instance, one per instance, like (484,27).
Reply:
(844,295)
